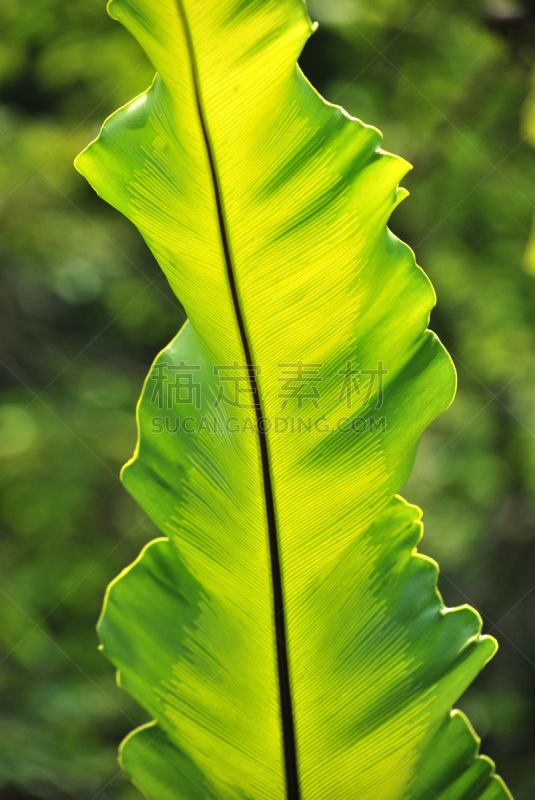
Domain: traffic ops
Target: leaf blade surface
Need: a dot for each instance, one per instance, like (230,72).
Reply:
(267,209)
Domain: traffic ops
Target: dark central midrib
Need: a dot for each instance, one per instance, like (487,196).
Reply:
(288,729)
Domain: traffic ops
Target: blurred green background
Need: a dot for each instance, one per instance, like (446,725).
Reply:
(85,309)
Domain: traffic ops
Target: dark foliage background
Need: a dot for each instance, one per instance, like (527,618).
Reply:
(85,309)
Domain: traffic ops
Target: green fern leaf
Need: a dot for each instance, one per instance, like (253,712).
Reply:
(285,637)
